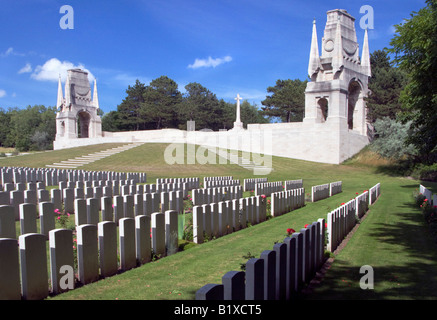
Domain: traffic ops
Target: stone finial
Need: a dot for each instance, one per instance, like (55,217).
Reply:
(365,57)
(60,101)
(337,59)
(314,63)
(95,96)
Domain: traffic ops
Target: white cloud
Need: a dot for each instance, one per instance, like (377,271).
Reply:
(26,69)
(2,93)
(126,79)
(52,68)
(245,93)
(210,62)
(391,30)
(10,51)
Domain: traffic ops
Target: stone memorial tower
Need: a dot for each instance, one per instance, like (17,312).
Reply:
(77,113)
(334,127)
(339,78)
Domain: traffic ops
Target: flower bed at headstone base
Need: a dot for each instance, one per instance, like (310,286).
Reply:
(429,211)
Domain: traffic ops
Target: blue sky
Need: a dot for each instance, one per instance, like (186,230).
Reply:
(230,47)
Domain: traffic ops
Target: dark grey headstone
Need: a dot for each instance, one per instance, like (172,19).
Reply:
(233,283)
(269,257)
(210,292)
(255,279)
(281,263)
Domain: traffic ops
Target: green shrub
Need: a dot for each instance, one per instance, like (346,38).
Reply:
(425,172)
(390,137)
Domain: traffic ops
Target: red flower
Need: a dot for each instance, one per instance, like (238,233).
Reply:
(290,231)
(263,196)
(425,200)
(305,225)
(326,224)
(342,203)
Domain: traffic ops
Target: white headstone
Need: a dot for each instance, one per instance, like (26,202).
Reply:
(127,243)
(107,231)
(128,207)
(207,220)
(9,270)
(142,239)
(107,210)
(87,253)
(61,254)
(68,196)
(46,217)
(171,231)
(28,218)
(198,224)
(7,222)
(93,210)
(158,233)
(33,264)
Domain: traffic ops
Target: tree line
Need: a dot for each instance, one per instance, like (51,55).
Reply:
(403,99)
(161,105)
(31,128)
(402,104)
(155,106)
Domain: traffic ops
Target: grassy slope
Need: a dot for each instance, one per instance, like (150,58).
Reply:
(392,239)
(40,159)
(395,242)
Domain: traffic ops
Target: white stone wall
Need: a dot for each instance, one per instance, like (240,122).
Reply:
(328,142)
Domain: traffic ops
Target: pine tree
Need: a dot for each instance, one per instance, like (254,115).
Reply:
(385,87)
(287,100)
(415,49)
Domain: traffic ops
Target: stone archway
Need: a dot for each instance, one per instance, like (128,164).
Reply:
(83,124)
(62,128)
(322,110)
(354,105)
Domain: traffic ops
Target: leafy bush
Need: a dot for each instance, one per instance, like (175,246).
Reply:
(419,198)
(425,172)
(429,211)
(390,139)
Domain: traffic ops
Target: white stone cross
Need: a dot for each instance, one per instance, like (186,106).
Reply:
(238,98)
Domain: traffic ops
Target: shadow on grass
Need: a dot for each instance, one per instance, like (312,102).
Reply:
(397,169)
(406,266)
(411,281)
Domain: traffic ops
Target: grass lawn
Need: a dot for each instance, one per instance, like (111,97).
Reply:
(395,242)
(393,238)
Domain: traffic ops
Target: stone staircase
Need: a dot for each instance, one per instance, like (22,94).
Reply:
(86,159)
(245,163)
